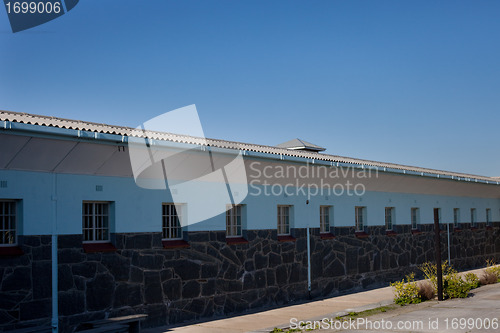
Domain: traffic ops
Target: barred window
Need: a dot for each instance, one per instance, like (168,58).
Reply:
(473,217)
(233,221)
(360,218)
(414,218)
(95,221)
(171,222)
(456,217)
(389,218)
(283,220)
(324,219)
(8,223)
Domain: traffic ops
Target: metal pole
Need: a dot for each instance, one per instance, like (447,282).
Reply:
(308,253)
(438,255)
(449,255)
(55,309)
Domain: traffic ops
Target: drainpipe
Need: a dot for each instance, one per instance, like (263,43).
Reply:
(55,310)
(308,252)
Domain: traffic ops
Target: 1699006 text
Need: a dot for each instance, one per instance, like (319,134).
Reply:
(33,7)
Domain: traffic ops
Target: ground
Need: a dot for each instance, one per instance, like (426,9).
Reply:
(472,314)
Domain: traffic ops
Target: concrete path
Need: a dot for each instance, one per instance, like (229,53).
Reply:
(480,312)
(265,321)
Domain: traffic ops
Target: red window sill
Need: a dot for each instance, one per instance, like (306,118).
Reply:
(489,227)
(286,238)
(457,229)
(236,240)
(175,244)
(326,236)
(11,251)
(361,234)
(416,232)
(390,233)
(473,228)
(98,247)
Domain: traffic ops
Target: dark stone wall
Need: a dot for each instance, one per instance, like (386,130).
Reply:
(25,284)
(212,278)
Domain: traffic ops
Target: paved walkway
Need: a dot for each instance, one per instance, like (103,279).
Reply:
(476,314)
(266,320)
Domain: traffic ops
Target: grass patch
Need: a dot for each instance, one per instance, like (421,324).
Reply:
(350,315)
(367,313)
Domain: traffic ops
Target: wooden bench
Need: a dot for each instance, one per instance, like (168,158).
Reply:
(109,329)
(132,323)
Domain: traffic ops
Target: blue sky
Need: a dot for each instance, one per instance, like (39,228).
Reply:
(411,82)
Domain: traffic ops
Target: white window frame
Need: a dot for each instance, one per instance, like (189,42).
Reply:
(171,221)
(473,219)
(414,217)
(8,212)
(283,224)
(456,217)
(325,213)
(389,218)
(102,218)
(360,218)
(488,217)
(234,225)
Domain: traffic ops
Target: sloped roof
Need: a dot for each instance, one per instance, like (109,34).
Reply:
(298,144)
(32,119)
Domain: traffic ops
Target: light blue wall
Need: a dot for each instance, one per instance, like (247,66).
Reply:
(135,209)
(35,190)
(139,210)
(375,202)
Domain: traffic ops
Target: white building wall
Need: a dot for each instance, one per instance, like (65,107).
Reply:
(139,210)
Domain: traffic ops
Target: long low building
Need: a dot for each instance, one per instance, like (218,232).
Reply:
(184,228)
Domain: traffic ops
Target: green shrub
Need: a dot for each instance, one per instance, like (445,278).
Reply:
(430,271)
(406,293)
(472,280)
(453,285)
